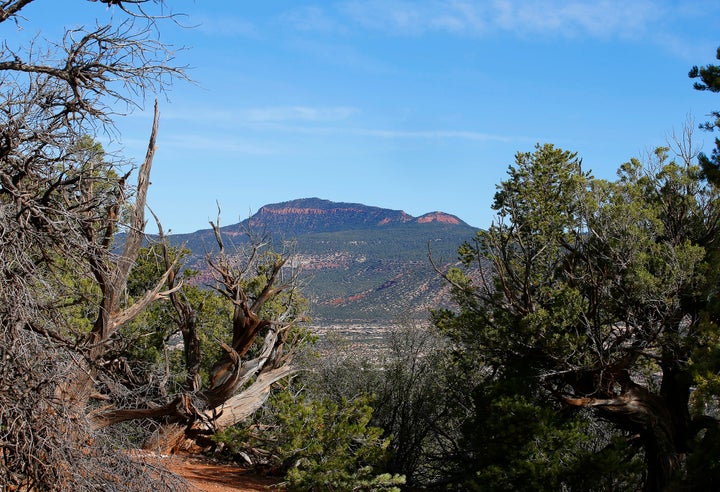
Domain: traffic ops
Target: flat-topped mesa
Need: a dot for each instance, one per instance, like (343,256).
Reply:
(316,215)
(359,262)
(440,217)
(307,216)
(281,209)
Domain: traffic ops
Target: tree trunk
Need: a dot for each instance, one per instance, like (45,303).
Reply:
(111,276)
(193,415)
(649,416)
(241,406)
(238,387)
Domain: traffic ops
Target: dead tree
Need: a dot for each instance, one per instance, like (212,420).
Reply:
(260,353)
(61,205)
(63,282)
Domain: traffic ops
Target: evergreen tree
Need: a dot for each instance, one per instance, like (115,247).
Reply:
(590,302)
(709,77)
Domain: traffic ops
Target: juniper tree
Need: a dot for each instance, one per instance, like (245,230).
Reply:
(588,302)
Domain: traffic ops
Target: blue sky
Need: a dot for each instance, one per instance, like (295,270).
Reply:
(414,105)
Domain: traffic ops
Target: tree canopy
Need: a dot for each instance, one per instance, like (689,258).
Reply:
(597,300)
(709,80)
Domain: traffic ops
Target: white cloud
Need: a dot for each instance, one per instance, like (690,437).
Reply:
(312,18)
(213,144)
(565,18)
(296,113)
(226,26)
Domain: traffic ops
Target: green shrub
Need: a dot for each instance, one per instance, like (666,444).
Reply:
(320,444)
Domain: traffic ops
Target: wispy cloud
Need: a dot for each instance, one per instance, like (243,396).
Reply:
(312,18)
(433,135)
(198,114)
(262,115)
(297,113)
(216,144)
(302,120)
(523,17)
(430,134)
(406,17)
(226,26)
(342,55)
(226,141)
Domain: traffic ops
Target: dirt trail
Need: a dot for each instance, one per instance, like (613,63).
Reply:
(207,475)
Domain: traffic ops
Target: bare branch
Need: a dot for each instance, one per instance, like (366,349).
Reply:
(10,8)
(114,282)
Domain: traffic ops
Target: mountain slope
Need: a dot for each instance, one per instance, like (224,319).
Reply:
(360,263)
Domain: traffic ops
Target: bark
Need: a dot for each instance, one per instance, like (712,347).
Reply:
(241,406)
(649,416)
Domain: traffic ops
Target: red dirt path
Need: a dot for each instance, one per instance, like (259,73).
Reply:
(207,475)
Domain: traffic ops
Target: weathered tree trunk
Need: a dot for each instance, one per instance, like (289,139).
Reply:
(111,276)
(238,387)
(650,417)
(228,401)
(225,404)
(185,421)
(187,434)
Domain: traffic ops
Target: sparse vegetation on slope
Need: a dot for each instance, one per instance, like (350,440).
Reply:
(359,263)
